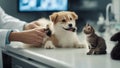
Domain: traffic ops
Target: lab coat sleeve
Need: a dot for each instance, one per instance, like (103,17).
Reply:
(3,34)
(8,23)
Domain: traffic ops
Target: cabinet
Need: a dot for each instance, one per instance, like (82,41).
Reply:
(11,60)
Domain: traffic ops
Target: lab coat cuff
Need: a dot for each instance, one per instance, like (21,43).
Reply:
(3,33)
(7,37)
(8,34)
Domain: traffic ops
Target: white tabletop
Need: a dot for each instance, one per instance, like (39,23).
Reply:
(68,57)
(65,57)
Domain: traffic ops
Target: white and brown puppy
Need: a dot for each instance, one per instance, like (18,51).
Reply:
(47,25)
(64,30)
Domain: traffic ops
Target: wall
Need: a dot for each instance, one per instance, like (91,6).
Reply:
(10,6)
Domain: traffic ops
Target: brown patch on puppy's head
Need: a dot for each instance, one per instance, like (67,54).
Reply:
(63,16)
(53,17)
(75,16)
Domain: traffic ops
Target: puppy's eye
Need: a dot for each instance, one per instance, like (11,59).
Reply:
(70,18)
(63,20)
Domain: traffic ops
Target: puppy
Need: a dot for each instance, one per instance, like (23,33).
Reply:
(64,30)
(47,25)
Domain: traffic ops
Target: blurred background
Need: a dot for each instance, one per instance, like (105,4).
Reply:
(95,12)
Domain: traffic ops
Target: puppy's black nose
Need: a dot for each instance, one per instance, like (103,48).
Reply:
(70,25)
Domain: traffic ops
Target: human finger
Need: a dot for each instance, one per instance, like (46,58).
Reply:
(37,23)
(34,26)
(38,41)
(42,34)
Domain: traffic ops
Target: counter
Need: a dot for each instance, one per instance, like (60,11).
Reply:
(60,57)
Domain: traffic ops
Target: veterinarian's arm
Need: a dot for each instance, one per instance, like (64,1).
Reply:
(33,36)
(31,25)
(9,22)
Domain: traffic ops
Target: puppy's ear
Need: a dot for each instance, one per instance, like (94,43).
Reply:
(75,16)
(53,17)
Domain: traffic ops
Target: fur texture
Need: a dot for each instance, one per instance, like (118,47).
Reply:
(48,26)
(65,29)
(115,53)
(96,44)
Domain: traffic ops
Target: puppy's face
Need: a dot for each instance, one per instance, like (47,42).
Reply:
(64,20)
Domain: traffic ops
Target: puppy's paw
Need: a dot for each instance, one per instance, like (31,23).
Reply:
(49,45)
(79,46)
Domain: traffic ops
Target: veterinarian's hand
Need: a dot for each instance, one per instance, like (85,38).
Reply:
(31,25)
(33,36)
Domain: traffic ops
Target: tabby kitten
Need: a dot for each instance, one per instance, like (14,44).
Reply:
(115,53)
(96,44)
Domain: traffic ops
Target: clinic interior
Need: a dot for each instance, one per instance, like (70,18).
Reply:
(85,12)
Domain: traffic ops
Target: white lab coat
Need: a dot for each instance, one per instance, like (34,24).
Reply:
(8,22)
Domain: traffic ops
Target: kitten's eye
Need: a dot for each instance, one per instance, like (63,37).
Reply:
(70,18)
(63,20)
